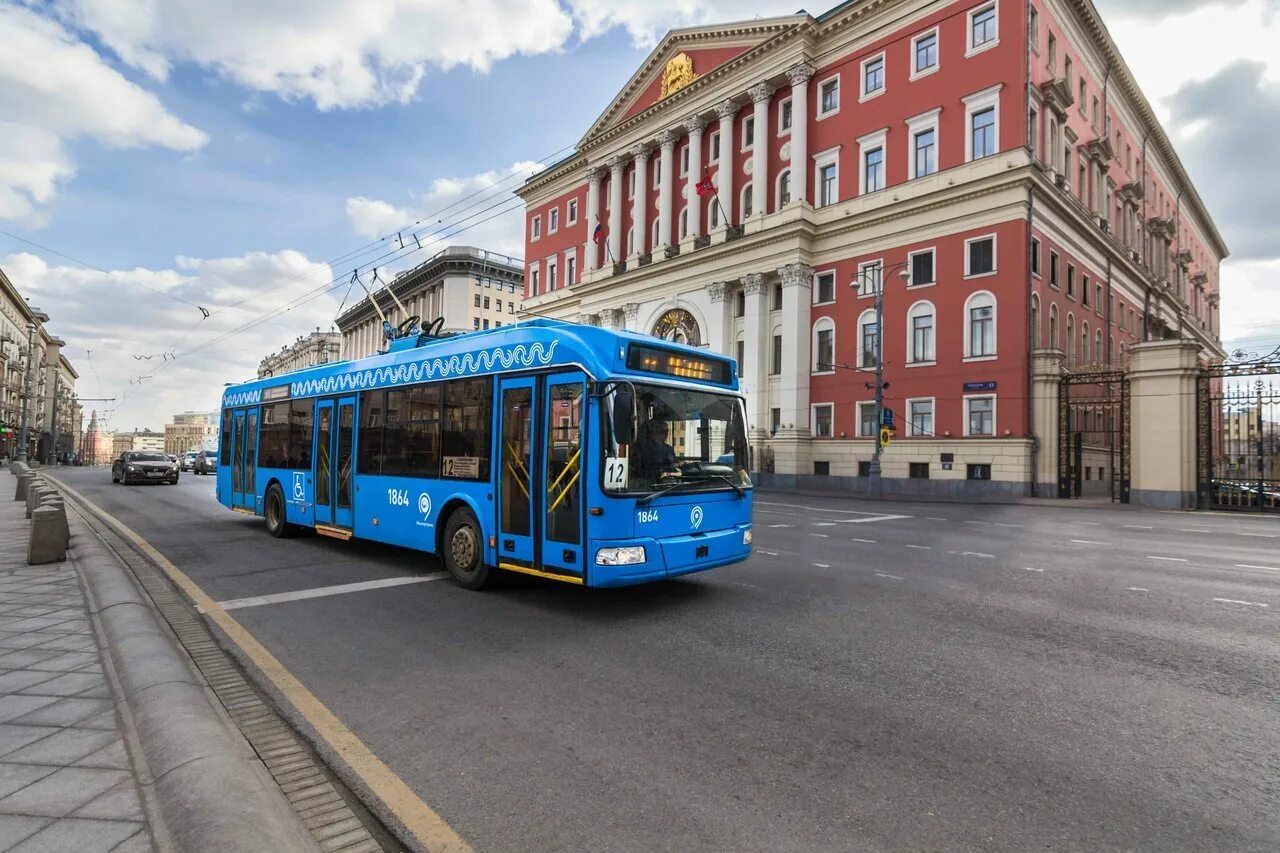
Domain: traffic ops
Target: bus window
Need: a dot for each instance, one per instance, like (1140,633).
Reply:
(322,455)
(250,448)
(225,449)
(465,428)
(564,462)
(346,422)
(373,411)
(517,416)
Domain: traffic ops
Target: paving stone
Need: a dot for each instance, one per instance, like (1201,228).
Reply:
(69,684)
(15,777)
(60,661)
(16,737)
(17,828)
(15,642)
(79,834)
(67,711)
(105,720)
(140,843)
(19,679)
(112,755)
(16,705)
(65,747)
(69,643)
(27,657)
(62,792)
(28,623)
(68,626)
(120,803)
(102,691)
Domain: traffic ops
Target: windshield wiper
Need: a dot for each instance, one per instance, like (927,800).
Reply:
(671,488)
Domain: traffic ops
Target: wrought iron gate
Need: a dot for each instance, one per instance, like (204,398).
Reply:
(1238,433)
(1093,434)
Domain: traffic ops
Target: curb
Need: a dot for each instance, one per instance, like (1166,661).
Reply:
(210,790)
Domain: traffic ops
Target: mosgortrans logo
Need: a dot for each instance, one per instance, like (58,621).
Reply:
(695,517)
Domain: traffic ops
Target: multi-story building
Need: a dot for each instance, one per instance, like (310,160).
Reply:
(988,168)
(138,439)
(470,288)
(316,348)
(192,431)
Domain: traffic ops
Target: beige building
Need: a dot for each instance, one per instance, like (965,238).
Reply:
(316,348)
(143,439)
(470,288)
(191,431)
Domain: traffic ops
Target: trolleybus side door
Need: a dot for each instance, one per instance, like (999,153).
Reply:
(343,461)
(244,452)
(561,473)
(323,475)
(517,486)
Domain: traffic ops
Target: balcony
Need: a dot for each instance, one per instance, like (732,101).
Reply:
(1057,96)
(1132,191)
(1160,227)
(1099,149)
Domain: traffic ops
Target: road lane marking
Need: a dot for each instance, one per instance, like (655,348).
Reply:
(971,521)
(770,553)
(1259,535)
(824,524)
(325,591)
(1090,523)
(935,518)
(1238,601)
(824,509)
(1087,542)
(977,554)
(890,577)
(1168,559)
(867,541)
(419,819)
(1029,569)
(1138,589)
(1004,524)
(1247,566)
(822,565)
(820,535)
(1139,526)
(782,525)
(921,547)
(1192,530)
(872,518)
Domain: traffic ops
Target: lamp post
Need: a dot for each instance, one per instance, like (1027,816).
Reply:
(27,380)
(876,274)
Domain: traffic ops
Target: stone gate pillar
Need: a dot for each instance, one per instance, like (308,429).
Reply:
(1162,397)
(1046,370)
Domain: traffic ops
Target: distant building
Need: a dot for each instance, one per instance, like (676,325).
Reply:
(471,288)
(191,431)
(139,439)
(316,348)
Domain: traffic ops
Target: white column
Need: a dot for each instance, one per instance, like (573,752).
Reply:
(630,315)
(799,75)
(797,279)
(717,334)
(593,217)
(724,178)
(756,349)
(694,126)
(760,96)
(666,181)
(616,166)
(640,202)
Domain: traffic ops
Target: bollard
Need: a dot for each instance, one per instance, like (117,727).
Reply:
(34,491)
(55,501)
(48,542)
(24,482)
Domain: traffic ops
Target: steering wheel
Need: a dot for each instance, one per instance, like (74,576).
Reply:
(433,328)
(406,324)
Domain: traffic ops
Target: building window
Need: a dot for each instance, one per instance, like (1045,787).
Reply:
(1071,281)
(775,360)
(535,229)
(1053,269)
(684,222)
(981,415)
(866,422)
(920,333)
(982,118)
(740,303)
(631,184)
(868,340)
(824,347)
(744,206)
(924,52)
(741,350)
(921,414)
(631,241)
(1033,28)
(784,117)
(864,468)
(925,152)
(551,275)
(655,233)
(1084,289)
(873,77)
(984,133)
(1097,296)
(714,207)
(777,297)
(570,272)
(748,133)
(775,420)
(553,220)
(981,471)
(983,29)
(980,328)
(684,160)
(1053,55)
(571,211)
(824,290)
(918,470)
(1035,257)
(475,322)
(476,297)
(784,188)
(979,256)
(484,324)
(822,420)
(869,277)
(486,303)
(656,166)
(922,268)
(827,190)
(1053,327)
(873,170)
(829,97)
(715,146)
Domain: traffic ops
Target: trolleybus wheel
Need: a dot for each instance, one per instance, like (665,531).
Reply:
(273,508)
(463,550)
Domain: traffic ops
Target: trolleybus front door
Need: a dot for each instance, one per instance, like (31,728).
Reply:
(516,484)
(343,460)
(243,459)
(561,466)
(335,422)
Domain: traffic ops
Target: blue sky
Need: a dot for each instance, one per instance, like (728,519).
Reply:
(214,151)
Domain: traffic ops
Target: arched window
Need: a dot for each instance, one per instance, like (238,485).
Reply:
(1099,354)
(868,339)
(1035,320)
(678,325)
(1084,343)
(655,234)
(684,222)
(745,202)
(824,345)
(1053,343)
(920,333)
(714,218)
(1122,354)
(1071,339)
(980,325)
(784,188)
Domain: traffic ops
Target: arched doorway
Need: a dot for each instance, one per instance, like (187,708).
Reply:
(678,325)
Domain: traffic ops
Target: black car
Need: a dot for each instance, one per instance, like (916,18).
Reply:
(206,462)
(144,466)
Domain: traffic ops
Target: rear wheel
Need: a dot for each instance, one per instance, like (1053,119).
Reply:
(463,550)
(273,508)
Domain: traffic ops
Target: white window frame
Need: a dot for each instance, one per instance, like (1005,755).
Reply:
(1037,251)
(742,200)
(969,48)
(813,418)
(713,139)
(782,104)
(919,124)
(535,275)
(936,32)
(631,241)
(818,114)
(976,103)
(911,340)
(535,229)
(866,144)
(864,95)
(995,326)
(822,324)
(747,142)
(857,410)
(571,212)
(818,275)
(777,188)
(655,169)
(995,414)
(684,222)
(867,316)
(933,417)
(684,159)
(655,232)
(911,282)
(553,219)
(995,255)
(828,157)
(553,266)
(861,279)
(570,256)
(713,212)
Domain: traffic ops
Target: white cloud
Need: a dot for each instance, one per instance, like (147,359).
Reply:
(647,21)
(55,89)
(1250,302)
(119,314)
(481,210)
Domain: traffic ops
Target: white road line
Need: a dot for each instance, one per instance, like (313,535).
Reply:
(977,554)
(970,521)
(1238,601)
(1259,535)
(1267,568)
(1029,569)
(822,565)
(1137,589)
(820,535)
(935,518)
(824,524)
(325,591)
(770,553)
(1004,524)
(867,541)
(921,547)
(890,577)
(819,509)
(1087,542)
(1139,526)
(782,525)
(1168,559)
(1192,530)
(872,518)
(1090,523)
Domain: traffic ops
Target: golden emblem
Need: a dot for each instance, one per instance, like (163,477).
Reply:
(677,74)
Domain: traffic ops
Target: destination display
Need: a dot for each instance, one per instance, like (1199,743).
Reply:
(658,360)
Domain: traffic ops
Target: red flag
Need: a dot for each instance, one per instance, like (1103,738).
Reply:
(705,186)
(598,233)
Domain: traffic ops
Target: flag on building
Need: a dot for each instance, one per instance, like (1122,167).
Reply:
(705,186)
(598,234)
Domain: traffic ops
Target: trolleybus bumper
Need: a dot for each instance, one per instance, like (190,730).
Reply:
(673,556)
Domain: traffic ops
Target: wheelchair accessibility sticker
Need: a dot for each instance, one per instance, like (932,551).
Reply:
(299,486)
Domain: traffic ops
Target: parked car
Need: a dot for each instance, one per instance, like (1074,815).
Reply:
(144,466)
(187,460)
(206,462)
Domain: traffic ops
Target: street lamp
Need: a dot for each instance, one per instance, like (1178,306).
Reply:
(876,275)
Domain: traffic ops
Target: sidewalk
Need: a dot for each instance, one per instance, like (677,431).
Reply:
(66,779)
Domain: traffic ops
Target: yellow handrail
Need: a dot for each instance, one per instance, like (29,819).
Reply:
(519,482)
(568,466)
(565,493)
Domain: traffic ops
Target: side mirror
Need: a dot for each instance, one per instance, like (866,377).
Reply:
(624,414)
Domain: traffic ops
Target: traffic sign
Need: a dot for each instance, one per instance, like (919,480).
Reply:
(886,436)
(886,417)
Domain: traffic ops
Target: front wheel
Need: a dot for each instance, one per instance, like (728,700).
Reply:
(463,551)
(273,508)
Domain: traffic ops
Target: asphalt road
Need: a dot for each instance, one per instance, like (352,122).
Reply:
(895,675)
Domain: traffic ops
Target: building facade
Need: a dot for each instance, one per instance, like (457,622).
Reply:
(316,348)
(138,439)
(470,288)
(192,431)
(990,170)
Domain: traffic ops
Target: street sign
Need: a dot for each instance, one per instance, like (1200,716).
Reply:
(886,418)
(980,386)
(886,436)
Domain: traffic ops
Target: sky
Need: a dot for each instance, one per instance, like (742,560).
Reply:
(158,157)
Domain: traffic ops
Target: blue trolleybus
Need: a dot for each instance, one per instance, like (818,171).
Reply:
(570,452)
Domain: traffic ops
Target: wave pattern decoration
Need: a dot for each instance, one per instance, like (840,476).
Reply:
(520,356)
(242,398)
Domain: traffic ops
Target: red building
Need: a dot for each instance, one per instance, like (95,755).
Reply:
(992,165)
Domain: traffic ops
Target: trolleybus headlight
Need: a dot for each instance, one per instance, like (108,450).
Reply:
(746,537)
(628,556)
